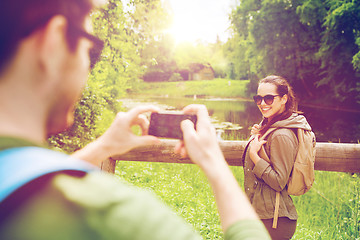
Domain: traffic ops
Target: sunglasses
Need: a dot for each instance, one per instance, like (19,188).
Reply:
(268,99)
(96,49)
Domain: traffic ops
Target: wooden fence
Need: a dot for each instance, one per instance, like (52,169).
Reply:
(338,157)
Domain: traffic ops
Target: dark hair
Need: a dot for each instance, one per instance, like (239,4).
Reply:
(20,18)
(282,88)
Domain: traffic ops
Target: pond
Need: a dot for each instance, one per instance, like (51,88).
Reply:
(233,118)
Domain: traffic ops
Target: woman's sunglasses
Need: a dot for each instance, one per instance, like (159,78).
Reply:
(268,99)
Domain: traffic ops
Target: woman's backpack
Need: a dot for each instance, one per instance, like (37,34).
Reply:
(302,175)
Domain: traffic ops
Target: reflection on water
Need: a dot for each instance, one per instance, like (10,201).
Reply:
(334,126)
(234,118)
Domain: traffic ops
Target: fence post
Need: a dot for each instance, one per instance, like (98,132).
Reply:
(108,165)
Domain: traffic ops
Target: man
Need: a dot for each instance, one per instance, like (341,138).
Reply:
(44,63)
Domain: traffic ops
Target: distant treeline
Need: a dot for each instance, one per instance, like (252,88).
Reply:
(313,43)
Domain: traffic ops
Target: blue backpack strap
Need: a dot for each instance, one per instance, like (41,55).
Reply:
(19,166)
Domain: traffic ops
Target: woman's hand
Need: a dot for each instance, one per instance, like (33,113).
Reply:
(255,146)
(255,129)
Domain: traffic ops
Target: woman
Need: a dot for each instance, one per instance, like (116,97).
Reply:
(276,102)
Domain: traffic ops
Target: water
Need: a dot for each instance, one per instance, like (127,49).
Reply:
(233,118)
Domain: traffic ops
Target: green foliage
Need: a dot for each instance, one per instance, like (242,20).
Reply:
(186,54)
(175,77)
(356,58)
(149,19)
(313,43)
(83,130)
(235,50)
(111,78)
(339,48)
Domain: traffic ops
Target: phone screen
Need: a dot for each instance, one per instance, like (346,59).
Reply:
(167,125)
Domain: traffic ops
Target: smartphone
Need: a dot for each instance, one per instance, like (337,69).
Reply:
(167,124)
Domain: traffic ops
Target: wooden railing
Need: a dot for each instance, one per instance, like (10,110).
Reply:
(338,157)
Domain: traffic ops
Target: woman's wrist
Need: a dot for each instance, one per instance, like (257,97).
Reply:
(254,157)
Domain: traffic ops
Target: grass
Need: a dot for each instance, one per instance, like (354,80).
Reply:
(330,210)
(181,186)
(217,87)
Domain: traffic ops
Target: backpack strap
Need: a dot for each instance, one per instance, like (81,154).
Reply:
(262,152)
(264,156)
(245,149)
(19,166)
(276,212)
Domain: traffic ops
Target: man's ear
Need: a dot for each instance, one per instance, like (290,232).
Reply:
(53,46)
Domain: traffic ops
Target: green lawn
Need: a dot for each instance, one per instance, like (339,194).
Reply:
(330,210)
(217,87)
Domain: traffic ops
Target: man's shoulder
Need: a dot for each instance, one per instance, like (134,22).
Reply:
(133,210)
(97,189)
(97,204)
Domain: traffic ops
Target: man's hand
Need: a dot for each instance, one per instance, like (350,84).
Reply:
(202,147)
(119,138)
(201,144)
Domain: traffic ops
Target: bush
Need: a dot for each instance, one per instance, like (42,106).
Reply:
(157,76)
(176,77)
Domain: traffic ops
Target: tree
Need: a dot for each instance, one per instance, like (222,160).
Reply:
(109,80)
(340,49)
(150,19)
(187,53)
(313,43)
(235,50)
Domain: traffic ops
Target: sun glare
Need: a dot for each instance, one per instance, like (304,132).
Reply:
(184,29)
(199,20)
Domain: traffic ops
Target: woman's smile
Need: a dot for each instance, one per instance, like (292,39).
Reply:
(265,109)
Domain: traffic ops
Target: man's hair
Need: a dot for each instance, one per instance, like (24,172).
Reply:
(20,18)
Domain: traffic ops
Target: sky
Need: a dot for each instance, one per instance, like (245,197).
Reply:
(202,20)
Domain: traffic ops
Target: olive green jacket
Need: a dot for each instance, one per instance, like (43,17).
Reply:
(96,206)
(263,180)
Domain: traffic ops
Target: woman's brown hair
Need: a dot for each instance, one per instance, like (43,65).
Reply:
(282,88)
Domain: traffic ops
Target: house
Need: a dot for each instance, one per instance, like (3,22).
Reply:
(200,71)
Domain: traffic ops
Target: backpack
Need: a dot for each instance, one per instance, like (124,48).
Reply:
(302,175)
(21,165)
